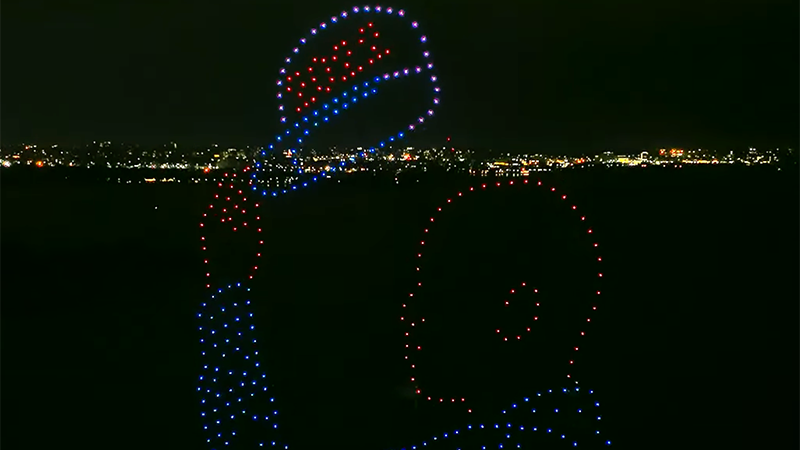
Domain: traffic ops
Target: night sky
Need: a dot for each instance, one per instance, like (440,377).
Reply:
(552,76)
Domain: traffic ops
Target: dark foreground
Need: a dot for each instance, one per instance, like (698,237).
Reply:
(698,347)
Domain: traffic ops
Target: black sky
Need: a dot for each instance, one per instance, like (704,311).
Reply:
(566,76)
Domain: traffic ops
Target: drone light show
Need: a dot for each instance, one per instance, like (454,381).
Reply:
(320,82)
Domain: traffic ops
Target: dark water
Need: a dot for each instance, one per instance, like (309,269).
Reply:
(697,347)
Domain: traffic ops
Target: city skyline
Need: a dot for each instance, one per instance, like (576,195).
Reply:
(107,155)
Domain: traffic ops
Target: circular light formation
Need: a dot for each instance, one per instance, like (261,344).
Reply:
(414,322)
(313,93)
